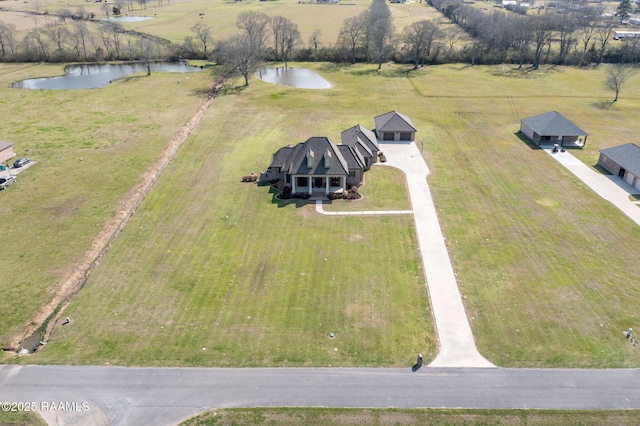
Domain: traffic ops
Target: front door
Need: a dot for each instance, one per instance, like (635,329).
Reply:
(318,182)
(621,172)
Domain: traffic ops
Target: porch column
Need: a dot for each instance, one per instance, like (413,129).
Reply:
(585,141)
(310,185)
(344,183)
(293,183)
(326,185)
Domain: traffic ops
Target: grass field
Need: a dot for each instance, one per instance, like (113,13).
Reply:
(90,147)
(173,21)
(21,418)
(547,269)
(401,417)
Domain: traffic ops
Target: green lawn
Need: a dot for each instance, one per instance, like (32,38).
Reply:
(20,418)
(90,147)
(547,268)
(401,417)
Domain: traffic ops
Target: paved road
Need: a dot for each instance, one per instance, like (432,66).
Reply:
(166,396)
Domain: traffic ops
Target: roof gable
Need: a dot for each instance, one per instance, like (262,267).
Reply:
(393,121)
(553,124)
(313,151)
(627,156)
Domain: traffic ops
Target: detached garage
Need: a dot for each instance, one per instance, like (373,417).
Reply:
(623,161)
(552,128)
(6,151)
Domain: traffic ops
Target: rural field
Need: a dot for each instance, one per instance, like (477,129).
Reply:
(215,272)
(172,21)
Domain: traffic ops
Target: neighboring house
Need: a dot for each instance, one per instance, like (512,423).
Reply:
(624,161)
(394,126)
(364,142)
(6,151)
(552,128)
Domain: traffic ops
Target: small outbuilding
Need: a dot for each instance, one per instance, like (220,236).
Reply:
(6,151)
(553,128)
(394,126)
(623,161)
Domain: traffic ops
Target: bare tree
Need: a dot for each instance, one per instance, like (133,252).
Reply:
(314,40)
(418,39)
(604,32)
(617,76)
(542,30)
(351,35)
(79,38)
(106,9)
(286,36)
(238,52)
(111,34)
(382,31)
(148,50)
(37,35)
(254,25)
(587,23)
(203,33)
(58,34)
(7,39)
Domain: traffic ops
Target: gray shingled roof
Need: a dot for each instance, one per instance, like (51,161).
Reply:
(352,156)
(553,124)
(352,137)
(278,159)
(296,164)
(4,145)
(627,156)
(393,121)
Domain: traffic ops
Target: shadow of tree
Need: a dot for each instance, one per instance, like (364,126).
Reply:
(603,104)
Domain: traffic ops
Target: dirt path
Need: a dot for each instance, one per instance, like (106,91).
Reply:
(101,243)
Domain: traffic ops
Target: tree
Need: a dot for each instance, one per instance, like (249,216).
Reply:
(418,38)
(315,40)
(382,31)
(624,10)
(254,25)
(7,39)
(203,33)
(79,37)
(238,52)
(351,35)
(542,29)
(244,52)
(58,34)
(286,36)
(617,76)
(147,49)
(604,31)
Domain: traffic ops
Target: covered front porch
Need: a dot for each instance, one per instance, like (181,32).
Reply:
(314,184)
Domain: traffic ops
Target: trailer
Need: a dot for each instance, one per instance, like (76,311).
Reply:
(626,35)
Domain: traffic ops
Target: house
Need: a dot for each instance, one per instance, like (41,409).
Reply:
(316,166)
(394,126)
(320,167)
(623,161)
(6,151)
(552,128)
(364,142)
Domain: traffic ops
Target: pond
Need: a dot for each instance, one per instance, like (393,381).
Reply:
(96,76)
(127,18)
(301,78)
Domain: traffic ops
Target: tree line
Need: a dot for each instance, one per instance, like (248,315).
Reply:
(579,37)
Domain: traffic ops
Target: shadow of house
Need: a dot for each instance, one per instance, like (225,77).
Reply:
(623,161)
(553,128)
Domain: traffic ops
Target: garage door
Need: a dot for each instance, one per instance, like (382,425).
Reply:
(628,177)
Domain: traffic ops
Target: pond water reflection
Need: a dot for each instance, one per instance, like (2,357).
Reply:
(297,77)
(95,76)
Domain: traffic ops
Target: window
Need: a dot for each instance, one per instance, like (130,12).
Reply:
(302,181)
(352,173)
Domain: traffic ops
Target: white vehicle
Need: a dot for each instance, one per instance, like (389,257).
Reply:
(625,35)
